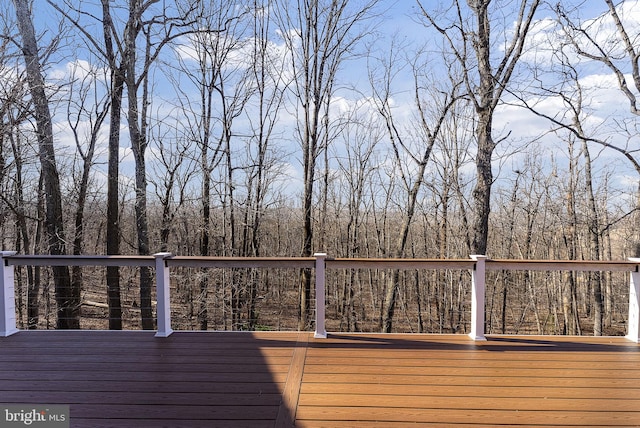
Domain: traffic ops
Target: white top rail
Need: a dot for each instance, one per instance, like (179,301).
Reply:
(162,262)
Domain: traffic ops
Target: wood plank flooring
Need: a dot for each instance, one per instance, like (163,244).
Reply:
(210,379)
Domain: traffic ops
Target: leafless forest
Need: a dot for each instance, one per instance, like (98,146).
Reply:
(360,128)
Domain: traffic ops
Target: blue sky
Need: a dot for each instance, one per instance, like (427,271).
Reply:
(400,17)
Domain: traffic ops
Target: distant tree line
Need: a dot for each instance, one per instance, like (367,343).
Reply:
(285,127)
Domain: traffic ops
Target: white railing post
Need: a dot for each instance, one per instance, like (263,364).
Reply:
(477,298)
(321,332)
(163,308)
(7,296)
(633,329)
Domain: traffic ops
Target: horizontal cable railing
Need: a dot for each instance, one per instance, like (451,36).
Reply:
(163,262)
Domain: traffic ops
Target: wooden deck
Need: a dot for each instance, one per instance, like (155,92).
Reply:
(133,379)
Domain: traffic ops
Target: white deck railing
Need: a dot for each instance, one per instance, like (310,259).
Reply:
(478,265)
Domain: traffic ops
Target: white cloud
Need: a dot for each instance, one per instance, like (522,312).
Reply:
(78,69)
(604,32)
(547,35)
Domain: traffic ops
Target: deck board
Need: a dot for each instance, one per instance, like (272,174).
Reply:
(204,379)
(445,380)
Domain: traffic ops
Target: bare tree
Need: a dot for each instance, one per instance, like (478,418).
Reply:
(84,103)
(357,161)
(109,49)
(120,50)
(488,66)
(449,187)
(268,97)
(411,153)
(262,164)
(593,228)
(616,51)
(585,40)
(68,303)
(319,35)
(136,80)
(117,74)
(569,297)
(173,171)
(15,161)
(212,67)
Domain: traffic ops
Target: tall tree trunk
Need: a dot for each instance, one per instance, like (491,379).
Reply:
(137,119)
(138,144)
(485,105)
(484,181)
(204,238)
(596,278)
(113,169)
(304,314)
(146,311)
(485,88)
(67,299)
